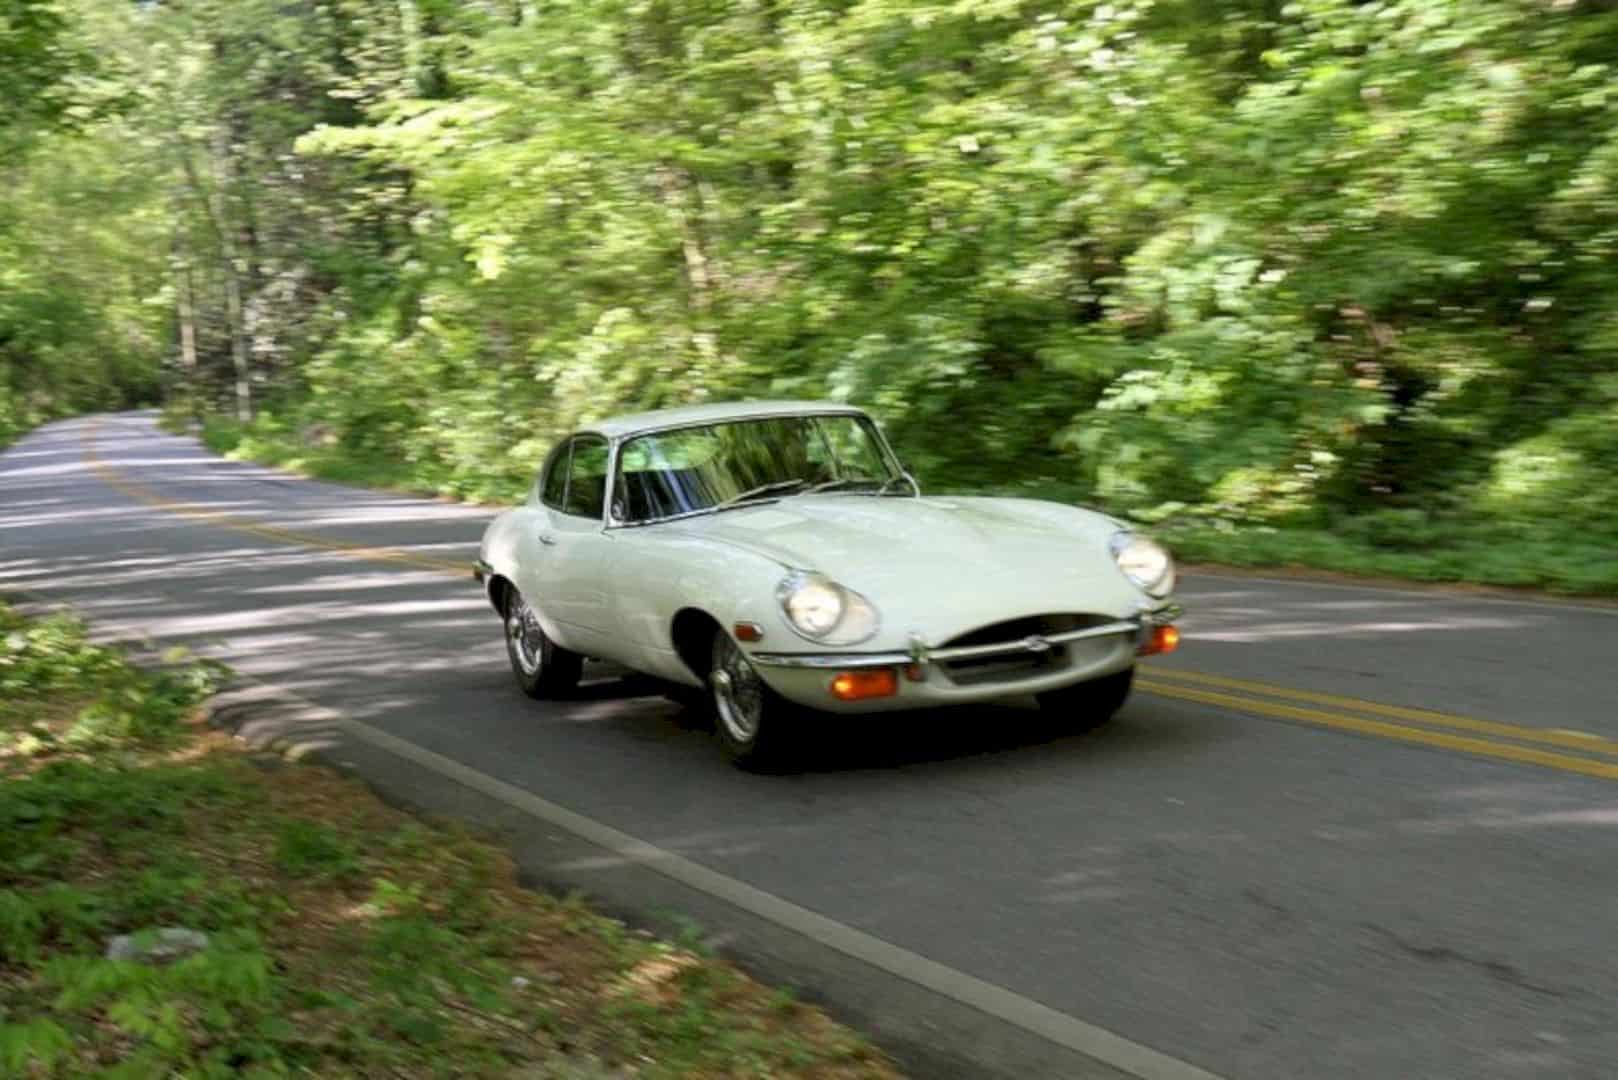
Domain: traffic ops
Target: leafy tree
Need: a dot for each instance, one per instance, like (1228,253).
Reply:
(1290,263)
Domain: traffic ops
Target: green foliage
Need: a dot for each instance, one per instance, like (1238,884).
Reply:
(1283,268)
(1489,554)
(39,63)
(76,719)
(49,664)
(310,849)
(81,231)
(116,704)
(1135,253)
(340,939)
(1564,473)
(52,654)
(40,1043)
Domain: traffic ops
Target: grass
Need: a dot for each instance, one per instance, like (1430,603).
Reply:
(12,427)
(346,938)
(1500,555)
(268,442)
(1400,545)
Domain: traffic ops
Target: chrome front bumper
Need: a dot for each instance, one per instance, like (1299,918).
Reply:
(922,654)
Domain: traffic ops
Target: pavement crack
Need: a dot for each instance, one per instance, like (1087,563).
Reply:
(1278,913)
(1498,970)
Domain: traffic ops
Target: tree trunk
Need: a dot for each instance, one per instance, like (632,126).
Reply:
(188,331)
(677,196)
(233,270)
(185,311)
(238,339)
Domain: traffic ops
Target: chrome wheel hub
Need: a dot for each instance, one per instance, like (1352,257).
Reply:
(527,639)
(738,693)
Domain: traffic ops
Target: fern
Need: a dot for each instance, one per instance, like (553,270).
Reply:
(21,926)
(39,1043)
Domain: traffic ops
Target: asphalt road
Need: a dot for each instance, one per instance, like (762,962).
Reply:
(1344,832)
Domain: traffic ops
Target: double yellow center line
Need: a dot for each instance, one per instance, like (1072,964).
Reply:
(1570,751)
(1576,751)
(235,523)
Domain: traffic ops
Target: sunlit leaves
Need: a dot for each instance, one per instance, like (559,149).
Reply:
(1324,257)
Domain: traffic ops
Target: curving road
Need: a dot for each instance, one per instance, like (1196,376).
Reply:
(1345,832)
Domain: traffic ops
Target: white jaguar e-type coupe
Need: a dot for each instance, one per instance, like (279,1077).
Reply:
(777,556)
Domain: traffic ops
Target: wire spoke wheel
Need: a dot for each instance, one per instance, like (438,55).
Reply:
(527,639)
(543,668)
(738,692)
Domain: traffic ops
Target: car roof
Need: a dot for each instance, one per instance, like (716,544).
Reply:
(712,413)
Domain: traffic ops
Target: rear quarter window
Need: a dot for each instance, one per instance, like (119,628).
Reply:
(553,481)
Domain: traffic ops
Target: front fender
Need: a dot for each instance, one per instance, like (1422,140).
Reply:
(505,554)
(659,573)
(497,553)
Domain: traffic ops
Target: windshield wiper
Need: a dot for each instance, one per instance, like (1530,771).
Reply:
(882,486)
(842,481)
(901,478)
(762,489)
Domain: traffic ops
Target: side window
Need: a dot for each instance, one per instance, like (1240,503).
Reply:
(587,477)
(554,484)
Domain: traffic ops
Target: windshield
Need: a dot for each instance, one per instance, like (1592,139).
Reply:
(706,468)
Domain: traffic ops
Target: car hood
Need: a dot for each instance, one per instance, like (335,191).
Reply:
(940,565)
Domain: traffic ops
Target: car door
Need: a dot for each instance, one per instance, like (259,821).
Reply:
(535,541)
(573,546)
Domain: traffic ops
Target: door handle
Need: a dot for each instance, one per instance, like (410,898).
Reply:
(547,539)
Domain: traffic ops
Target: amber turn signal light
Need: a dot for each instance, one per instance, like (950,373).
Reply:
(1163,639)
(856,685)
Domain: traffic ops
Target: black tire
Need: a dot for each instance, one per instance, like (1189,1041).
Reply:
(543,669)
(1086,706)
(755,725)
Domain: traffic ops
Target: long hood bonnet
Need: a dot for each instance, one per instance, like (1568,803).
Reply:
(940,564)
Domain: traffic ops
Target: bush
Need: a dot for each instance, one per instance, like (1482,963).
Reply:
(1567,474)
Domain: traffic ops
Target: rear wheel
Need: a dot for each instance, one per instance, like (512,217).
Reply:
(1087,705)
(754,723)
(543,669)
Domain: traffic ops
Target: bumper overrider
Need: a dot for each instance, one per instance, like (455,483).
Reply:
(917,677)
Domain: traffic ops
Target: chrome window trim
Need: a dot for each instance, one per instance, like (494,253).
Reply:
(561,455)
(567,489)
(773,414)
(615,461)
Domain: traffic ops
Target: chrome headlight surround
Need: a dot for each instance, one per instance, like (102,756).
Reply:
(1147,564)
(818,609)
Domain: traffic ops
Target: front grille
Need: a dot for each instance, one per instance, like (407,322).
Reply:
(1011,667)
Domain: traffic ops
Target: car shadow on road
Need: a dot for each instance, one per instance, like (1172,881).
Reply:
(831,743)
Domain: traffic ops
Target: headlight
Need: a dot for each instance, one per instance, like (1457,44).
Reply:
(1145,563)
(823,611)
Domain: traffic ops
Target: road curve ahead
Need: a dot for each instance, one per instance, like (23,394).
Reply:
(1345,832)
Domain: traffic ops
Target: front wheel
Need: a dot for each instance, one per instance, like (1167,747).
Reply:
(1087,705)
(543,668)
(754,723)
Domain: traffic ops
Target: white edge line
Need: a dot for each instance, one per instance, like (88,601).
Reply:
(1057,1027)
(1141,1062)
(1190,574)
